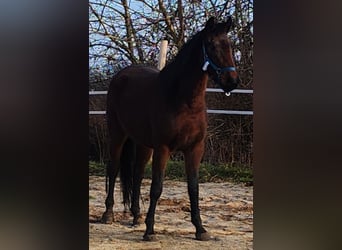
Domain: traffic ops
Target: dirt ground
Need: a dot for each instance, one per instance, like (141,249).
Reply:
(226,211)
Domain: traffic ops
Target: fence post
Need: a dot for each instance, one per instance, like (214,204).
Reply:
(161,64)
(162,54)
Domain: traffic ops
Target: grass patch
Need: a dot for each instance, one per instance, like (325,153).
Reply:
(226,172)
(97,169)
(207,173)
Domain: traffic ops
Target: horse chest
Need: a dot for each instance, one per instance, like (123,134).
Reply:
(187,133)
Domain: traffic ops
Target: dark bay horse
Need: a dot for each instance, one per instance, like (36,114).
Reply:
(165,111)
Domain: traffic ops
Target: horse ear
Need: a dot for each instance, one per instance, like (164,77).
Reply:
(210,23)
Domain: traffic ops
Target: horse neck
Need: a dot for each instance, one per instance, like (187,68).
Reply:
(192,87)
(186,82)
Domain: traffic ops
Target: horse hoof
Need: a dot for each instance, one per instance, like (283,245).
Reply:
(107,218)
(203,236)
(150,237)
(137,221)
(136,224)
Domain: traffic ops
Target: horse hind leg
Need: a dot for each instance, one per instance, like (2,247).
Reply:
(143,154)
(116,145)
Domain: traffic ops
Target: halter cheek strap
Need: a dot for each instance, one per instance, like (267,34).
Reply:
(208,62)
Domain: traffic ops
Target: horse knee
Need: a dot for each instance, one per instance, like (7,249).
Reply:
(156,189)
(155,194)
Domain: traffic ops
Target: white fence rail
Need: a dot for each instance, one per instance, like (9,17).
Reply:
(209,111)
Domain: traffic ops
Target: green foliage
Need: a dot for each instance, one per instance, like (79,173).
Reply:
(174,171)
(98,169)
(225,172)
(207,173)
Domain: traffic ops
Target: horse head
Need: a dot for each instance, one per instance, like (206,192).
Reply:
(217,53)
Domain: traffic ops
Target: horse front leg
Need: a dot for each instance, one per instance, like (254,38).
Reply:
(160,157)
(192,161)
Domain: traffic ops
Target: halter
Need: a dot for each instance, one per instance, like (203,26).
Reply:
(208,61)
(217,69)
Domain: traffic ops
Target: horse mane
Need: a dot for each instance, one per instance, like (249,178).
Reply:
(171,75)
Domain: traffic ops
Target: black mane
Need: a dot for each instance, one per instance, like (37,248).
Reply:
(181,65)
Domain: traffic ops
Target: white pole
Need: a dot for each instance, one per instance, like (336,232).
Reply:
(162,54)
(160,66)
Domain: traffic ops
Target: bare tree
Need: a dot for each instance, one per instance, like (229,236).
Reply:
(130,31)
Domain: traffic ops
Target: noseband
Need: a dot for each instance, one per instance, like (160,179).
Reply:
(208,61)
(218,70)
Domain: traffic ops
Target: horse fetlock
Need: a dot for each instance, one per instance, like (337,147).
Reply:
(149,221)
(109,203)
(135,210)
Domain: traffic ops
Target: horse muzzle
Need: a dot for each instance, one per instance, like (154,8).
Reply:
(229,85)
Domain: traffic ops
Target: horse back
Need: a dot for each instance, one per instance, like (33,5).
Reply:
(131,84)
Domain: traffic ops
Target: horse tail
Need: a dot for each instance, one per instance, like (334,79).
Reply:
(127,162)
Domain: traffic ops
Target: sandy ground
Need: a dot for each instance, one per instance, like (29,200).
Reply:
(226,211)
